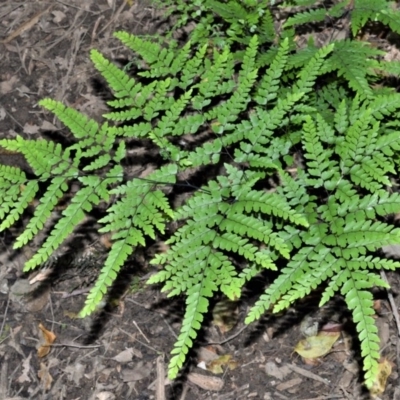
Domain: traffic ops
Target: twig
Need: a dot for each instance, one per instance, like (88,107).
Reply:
(308,374)
(3,379)
(26,26)
(169,327)
(140,331)
(79,346)
(4,318)
(115,16)
(160,386)
(184,392)
(76,292)
(137,340)
(68,344)
(230,337)
(392,304)
(147,307)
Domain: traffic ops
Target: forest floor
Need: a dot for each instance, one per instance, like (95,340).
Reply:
(122,351)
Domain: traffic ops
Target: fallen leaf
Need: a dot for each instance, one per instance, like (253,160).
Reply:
(31,129)
(105,396)
(206,354)
(140,371)
(71,314)
(289,384)
(8,85)
(317,346)
(48,126)
(24,377)
(278,372)
(216,366)
(58,16)
(127,355)
(75,372)
(45,378)
(47,340)
(384,371)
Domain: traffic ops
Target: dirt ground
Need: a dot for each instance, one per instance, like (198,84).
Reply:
(122,352)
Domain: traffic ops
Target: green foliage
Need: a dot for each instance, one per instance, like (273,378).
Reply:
(360,12)
(303,144)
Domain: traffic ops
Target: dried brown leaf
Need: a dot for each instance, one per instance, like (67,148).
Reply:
(276,371)
(48,339)
(45,378)
(24,377)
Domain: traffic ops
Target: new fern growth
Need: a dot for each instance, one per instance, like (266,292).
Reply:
(303,119)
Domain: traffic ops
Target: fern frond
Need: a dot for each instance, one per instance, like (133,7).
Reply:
(353,61)
(319,163)
(269,84)
(360,302)
(268,203)
(365,234)
(316,15)
(120,82)
(48,201)
(148,50)
(196,307)
(16,208)
(123,245)
(81,126)
(12,181)
(13,175)
(83,200)
(322,265)
(363,11)
(281,285)
(45,157)
(309,73)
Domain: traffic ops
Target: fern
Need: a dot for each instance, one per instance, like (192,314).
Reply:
(343,230)
(361,12)
(303,147)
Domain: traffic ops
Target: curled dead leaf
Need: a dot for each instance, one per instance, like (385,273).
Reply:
(47,340)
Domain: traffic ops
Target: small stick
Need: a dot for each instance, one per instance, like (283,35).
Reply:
(5,315)
(140,331)
(68,344)
(137,340)
(392,304)
(27,25)
(308,374)
(79,346)
(230,337)
(160,386)
(184,392)
(169,327)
